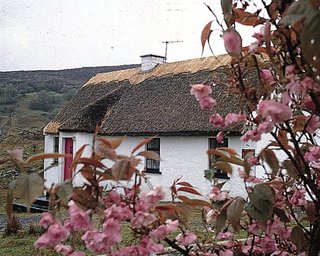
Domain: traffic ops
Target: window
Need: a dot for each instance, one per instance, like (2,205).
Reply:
(153,166)
(213,144)
(55,148)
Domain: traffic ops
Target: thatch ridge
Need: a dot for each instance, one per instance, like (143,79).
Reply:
(135,76)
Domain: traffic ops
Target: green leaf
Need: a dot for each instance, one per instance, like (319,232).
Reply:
(297,237)
(234,212)
(291,169)
(261,202)
(9,199)
(255,213)
(64,191)
(29,187)
(281,214)
(296,12)
(220,222)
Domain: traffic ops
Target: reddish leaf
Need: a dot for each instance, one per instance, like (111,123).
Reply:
(142,143)
(205,35)
(268,156)
(116,142)
(149,154)
(45,156)
(216,152)
(195,202)
(16,153)
(122,170)
(90,161)
(224,166)
(77,157)
(184,183)
(189,190)
(106,152)
(247,18)
(105,141)
(231,151)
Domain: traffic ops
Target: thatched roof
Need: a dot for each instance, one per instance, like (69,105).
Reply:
(157,102)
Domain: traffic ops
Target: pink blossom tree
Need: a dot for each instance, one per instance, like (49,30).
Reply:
(280,215)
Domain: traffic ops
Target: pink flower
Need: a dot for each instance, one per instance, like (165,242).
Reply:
(220,137)
(252,160)
(217,195)
(118,212)
(46,220)
(275,110)
(224,235)
(309,103)
(142,219)
(232,42)
(290,71)
(207,103)
(64,249)
(186,238)
(227,252)
(155,195)
(265,126)
(268,245)
(216,120)
(79,219)
(298,197)
(254,227)
(266,75)
(55,235)
(211,216)
(313,124)
(313,154)
(253,135)
(234,118)
(162,231)
(200,90)
(77,254)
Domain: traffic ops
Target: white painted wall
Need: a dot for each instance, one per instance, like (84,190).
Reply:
(184,157)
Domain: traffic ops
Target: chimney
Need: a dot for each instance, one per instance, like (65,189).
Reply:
(150,61)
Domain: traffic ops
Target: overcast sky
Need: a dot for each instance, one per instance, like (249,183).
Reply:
(58,34)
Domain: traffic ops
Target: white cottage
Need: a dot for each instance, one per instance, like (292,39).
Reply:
(153,100)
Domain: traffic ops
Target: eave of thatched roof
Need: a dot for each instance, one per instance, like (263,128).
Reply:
(157,102)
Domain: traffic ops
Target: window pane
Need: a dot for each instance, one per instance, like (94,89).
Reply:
(153,165)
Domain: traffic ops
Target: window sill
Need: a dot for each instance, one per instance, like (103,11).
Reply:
(153,171)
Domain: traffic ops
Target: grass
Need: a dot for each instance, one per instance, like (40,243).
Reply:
(22,244)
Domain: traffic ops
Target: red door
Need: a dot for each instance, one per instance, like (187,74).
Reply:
(68,149)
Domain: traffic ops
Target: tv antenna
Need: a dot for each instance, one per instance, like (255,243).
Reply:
(169,42)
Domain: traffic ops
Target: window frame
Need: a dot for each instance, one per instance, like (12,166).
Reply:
(154,165)
(56,145)
(213,144)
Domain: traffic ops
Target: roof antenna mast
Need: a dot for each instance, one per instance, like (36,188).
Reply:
(169,42)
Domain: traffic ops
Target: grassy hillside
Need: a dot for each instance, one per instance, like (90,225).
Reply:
(30,99)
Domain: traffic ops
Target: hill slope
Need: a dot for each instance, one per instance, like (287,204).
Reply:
(30,99)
